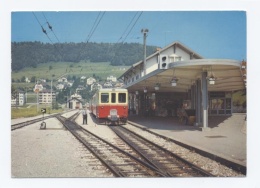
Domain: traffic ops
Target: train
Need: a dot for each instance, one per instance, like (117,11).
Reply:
(110,105)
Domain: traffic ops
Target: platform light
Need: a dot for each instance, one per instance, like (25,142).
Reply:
(136,92)
(145,89)
(212,80)
(157,86)
(174,81)
(243,65)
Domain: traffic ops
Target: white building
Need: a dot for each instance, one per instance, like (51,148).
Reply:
(47,97)
(96,86)
(77,96)
(111,78)
(63,80)
(175,74)
(60,86)
(75,101)
(19,99)
(83,78)
(91,81)
(80,88)
(107,85)
(27,80)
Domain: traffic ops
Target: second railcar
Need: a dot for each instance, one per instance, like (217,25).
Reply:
(110,105)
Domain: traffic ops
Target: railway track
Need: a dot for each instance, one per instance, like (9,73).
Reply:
(165,161)
(26,123)
(118,161)
(238,169)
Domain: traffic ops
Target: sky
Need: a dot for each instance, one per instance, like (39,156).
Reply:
(212,34)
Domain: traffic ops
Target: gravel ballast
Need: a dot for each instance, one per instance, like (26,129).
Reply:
(52,152)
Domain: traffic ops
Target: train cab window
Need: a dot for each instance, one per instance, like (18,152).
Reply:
(122,97)
(104,97)
(113,98)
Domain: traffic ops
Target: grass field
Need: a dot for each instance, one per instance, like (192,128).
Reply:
(30,111)
(83,68)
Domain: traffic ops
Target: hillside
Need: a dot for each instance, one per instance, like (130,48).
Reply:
(53,70)
(33,54)
(49,71)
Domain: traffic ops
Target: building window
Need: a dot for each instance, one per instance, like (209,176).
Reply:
(175,58)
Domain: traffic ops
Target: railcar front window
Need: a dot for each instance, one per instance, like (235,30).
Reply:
(113,98)
(104,97)
(122,97)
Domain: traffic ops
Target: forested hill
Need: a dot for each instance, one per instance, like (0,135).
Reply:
(30,54)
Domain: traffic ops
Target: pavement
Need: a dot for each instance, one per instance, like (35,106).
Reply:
(225,137)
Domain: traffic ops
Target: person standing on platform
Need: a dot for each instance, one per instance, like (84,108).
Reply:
(85,116)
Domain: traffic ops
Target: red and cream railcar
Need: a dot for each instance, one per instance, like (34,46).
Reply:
(111,105)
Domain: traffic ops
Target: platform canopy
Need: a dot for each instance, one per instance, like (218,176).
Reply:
(227,74)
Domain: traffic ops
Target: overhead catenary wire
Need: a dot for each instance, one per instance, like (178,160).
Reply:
(133,26)
(95,25)
(46,33)
(50,27)
(127,27)
(133,22)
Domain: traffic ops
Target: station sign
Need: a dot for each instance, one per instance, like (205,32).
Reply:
(43,110)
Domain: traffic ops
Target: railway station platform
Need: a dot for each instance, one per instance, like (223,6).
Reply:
(224,138)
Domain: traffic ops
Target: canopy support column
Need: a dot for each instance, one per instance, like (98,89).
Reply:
(204,99)
(198,103)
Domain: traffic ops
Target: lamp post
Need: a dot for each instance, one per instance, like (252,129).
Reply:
(145,31)
(51,95)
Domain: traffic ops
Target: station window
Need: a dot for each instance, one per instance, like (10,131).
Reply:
(122,97)
(104,97)
(113,97)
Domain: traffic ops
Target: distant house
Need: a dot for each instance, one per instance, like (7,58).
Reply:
(75,102)
(77,96)
(62,80)
(47,97)
(41,80)
(96,86)
(27,80)
(69,83)
(119,85)
(80,88)
(82,78)
(107,85)
(60,86)
(19,98)
(111,78)
(91,80)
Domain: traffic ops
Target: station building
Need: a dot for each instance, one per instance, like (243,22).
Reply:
(175,78)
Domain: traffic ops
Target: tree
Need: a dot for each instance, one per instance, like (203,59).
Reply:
(30,54)
(33,79)
(23,79)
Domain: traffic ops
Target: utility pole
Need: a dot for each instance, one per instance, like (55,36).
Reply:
(145,31)
(51,95)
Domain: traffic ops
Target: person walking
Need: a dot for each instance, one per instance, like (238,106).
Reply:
(85,117)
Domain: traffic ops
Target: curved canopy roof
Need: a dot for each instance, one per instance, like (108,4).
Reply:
(227,73)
